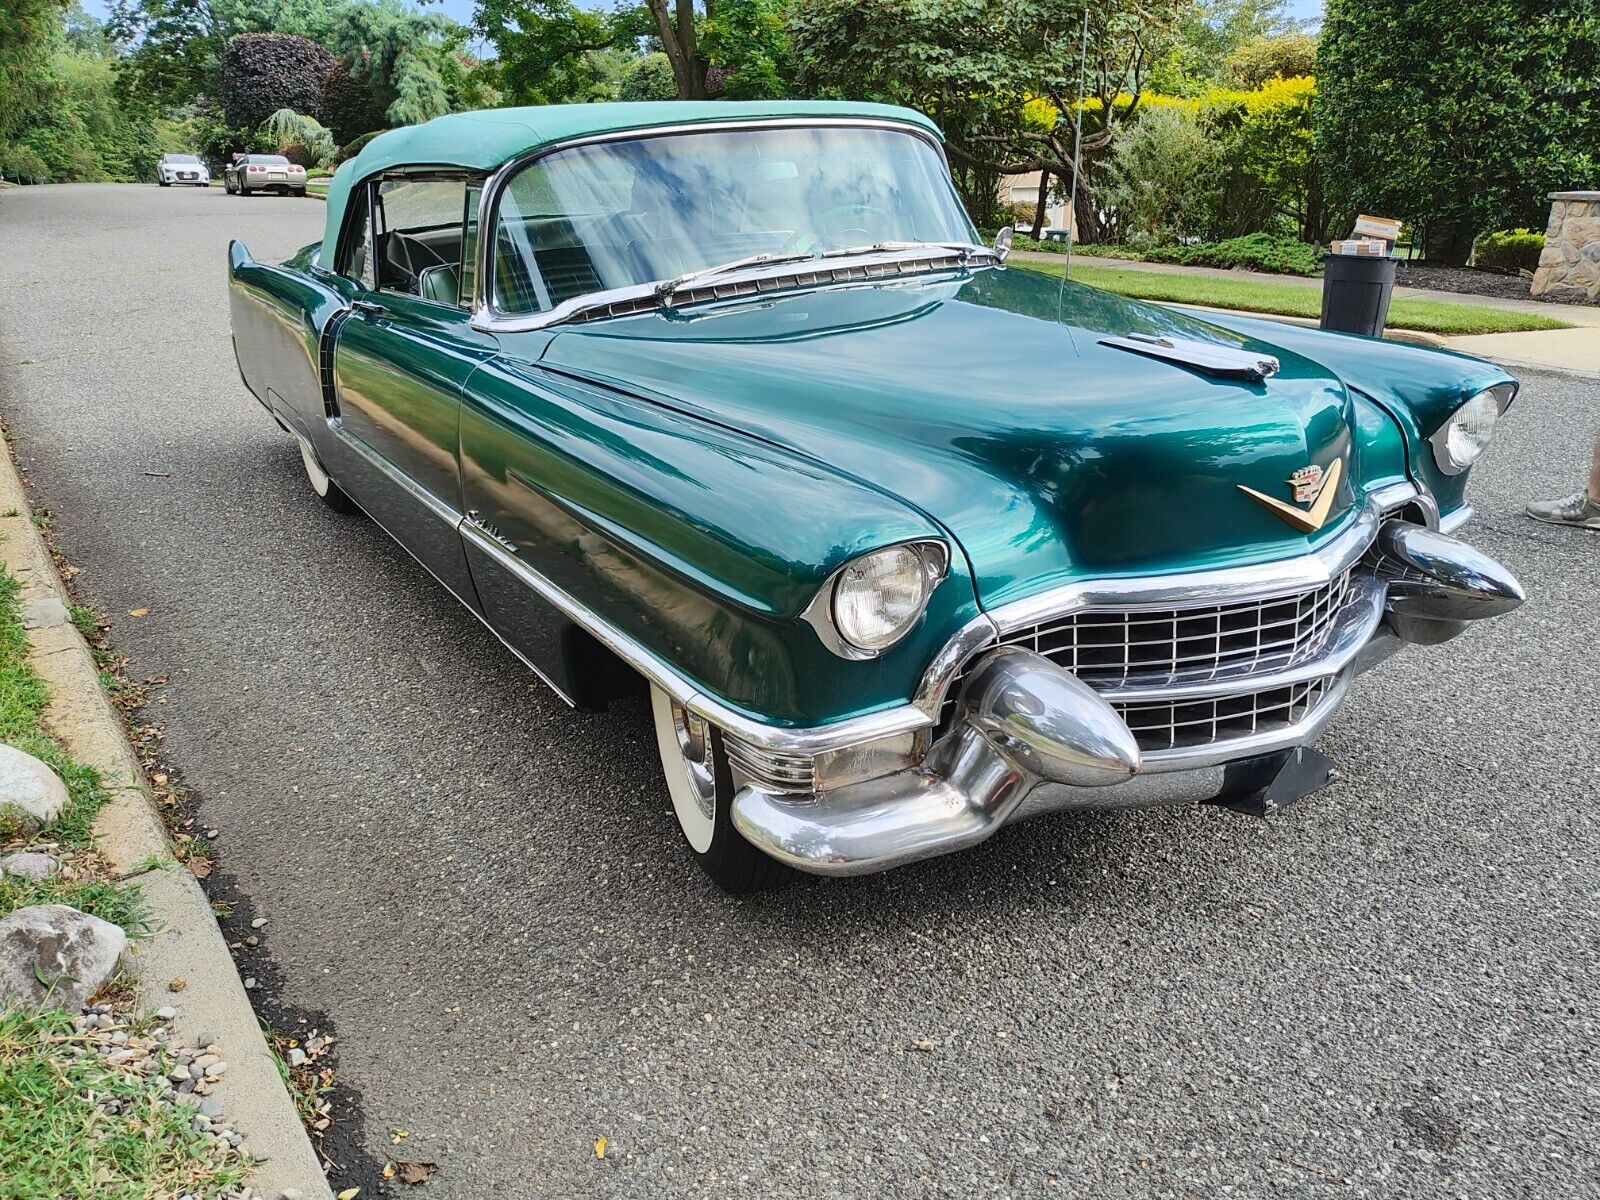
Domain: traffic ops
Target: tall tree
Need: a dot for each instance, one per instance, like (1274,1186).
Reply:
(1458,115)
(1002,79)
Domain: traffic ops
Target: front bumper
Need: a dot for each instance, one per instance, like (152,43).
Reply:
(1028,737)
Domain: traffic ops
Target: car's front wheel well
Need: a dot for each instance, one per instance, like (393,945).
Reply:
(595,676)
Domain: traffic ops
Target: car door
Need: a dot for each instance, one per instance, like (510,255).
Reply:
(399,359)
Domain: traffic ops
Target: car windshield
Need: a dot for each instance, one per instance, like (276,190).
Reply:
(616,214)
(187,160)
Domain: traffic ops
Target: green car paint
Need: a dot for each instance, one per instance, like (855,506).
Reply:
(695,475)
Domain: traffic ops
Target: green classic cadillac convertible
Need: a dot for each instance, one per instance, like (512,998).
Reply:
(906,545)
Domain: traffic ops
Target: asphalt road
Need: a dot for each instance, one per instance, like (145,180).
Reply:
(1387,991)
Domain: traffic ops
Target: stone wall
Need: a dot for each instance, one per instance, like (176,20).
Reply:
(1569,268)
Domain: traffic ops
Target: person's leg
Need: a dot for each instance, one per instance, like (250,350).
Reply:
(1581,509)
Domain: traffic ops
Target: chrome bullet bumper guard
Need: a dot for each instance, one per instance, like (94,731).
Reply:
(1029,737)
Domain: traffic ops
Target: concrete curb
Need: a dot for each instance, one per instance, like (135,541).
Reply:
(185,941)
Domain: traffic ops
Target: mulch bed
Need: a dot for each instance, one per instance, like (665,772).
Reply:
(1462,279)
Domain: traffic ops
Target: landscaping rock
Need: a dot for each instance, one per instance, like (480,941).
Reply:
(31,794)
(70,951)
(29,864)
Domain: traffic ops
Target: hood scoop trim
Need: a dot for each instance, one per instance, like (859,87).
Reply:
(1212,359)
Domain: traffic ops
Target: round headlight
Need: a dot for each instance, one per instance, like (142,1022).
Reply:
(879,597)
(1466,434)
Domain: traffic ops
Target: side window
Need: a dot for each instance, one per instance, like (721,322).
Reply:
(357,263)
(421,232)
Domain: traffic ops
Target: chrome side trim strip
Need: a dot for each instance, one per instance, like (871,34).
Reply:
(1455,520)
(905,718)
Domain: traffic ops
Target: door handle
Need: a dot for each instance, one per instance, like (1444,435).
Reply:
(370,308)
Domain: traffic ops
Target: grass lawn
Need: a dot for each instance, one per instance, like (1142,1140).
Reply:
(1297,300)
(71,1122)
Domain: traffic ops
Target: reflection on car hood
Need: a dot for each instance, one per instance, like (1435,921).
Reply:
(990,403)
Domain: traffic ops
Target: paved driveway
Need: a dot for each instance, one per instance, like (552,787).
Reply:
(1389,991)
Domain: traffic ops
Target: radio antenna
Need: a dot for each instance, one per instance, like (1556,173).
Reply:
(1077,149)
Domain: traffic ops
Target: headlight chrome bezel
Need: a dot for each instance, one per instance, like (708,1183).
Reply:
(933,555)
(1453,460)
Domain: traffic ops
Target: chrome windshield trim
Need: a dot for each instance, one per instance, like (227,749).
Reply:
(484,315)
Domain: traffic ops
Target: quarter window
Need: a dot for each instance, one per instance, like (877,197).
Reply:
(422,233)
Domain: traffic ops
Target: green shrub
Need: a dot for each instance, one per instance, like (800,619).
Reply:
(648,78)
(354,148)
(1253,252)
(1511,251)
(1162,178)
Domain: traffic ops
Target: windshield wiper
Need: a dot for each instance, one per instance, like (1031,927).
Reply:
(967,250)
(666,287)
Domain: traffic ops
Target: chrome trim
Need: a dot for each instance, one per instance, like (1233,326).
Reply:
(1228,584)
(484,315)
(1352,628)
(795,740)
(1452,521)
(1439,439)
(1432,576)
(1021,746)
(935,556)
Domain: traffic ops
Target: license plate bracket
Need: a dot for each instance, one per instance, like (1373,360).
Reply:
(1260,787)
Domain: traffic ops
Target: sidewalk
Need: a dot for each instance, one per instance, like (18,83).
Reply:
(1574,350)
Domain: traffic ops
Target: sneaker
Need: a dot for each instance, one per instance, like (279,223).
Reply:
(1577,510)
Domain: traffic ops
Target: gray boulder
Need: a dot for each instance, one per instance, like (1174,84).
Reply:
(31,794)
(54,954)
(29,864)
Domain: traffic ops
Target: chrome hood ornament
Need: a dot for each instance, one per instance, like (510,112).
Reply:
(1226,361)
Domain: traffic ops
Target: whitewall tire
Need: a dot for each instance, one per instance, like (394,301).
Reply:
(700,786)
(329,492)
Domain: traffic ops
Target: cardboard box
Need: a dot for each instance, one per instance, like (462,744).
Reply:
(1361,248)
(1382,228)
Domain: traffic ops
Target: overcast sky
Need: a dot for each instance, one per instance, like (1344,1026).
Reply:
(461,10)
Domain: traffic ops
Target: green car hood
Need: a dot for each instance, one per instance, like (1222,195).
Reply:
(988,402)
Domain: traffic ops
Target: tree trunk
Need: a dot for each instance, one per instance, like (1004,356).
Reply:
(678,40)
(1040,209)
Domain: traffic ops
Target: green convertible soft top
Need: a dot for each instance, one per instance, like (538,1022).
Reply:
(483,140)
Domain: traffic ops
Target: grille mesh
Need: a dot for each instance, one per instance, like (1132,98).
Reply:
(1148,647)
(1174,725)
(1111,648)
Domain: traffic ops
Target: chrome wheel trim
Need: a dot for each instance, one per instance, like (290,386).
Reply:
(684,741)
(320,480)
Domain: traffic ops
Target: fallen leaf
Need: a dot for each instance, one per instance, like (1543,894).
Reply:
(349,1193)
(388,1170)
(177,985)
(138,612)
(600,1148)
(396,1136)
(415,1173)
(200,865)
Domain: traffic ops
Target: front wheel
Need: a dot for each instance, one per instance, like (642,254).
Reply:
(701,788)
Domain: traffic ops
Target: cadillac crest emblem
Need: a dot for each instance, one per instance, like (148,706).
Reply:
(1308,485)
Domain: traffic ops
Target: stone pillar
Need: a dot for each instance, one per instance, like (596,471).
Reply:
(1569,268)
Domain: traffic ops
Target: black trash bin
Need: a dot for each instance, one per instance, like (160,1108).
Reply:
(1355,293)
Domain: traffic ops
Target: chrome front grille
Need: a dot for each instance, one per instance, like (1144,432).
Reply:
(1178,724)
(1143,650)
(1140,647)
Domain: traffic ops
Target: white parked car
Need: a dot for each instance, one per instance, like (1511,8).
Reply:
(182,168)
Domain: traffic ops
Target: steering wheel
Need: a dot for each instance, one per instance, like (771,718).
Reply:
(844,235)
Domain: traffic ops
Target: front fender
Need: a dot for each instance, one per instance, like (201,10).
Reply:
(1419,387)
(701,544)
